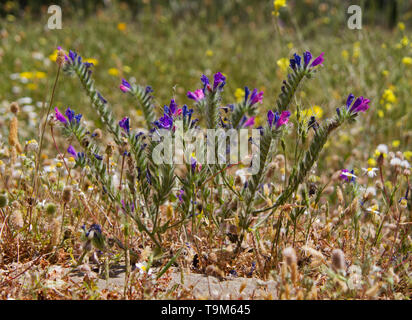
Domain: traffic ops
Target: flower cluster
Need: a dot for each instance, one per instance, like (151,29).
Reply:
(296,61)
(72,117)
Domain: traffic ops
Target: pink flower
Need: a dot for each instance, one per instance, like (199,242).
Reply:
(197,95)
(60,116)
(319,60)
(249,122)
(283,119)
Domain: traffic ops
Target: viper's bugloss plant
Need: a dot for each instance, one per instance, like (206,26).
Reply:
(145,185)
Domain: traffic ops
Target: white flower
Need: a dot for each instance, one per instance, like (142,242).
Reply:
(348,174)
(373,209)
(143,269)
(395,162)
(32,145)
(371,172)
(405,164)
(25,100)
(382,148)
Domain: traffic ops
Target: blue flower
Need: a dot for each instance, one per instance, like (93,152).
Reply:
(307,57)
(124,124)
(70,114)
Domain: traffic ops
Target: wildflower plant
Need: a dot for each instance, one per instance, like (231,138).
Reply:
(149,185)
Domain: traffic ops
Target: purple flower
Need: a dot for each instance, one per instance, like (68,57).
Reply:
(197,95)
(347,175)
(72,151)
(124,124)
(205,81)
(249,122)
(78,117)
(148,89)
(70,114)
(98,157)
(172,106)
(349,101)
(219,81)
(298,59)
(193,164)
(102,99)
(72,55)
(307,57)
(125,86)
(180,195)
(271,117)
(361,105)
(319,60)
(283,119)
(60,116)
(165,122)
(247,92)
(256,97)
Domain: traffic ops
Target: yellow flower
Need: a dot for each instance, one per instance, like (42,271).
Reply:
(121,26)
(239,94)
(92,60)
(380,114)
(32,86)
(277,5)
(53,56)
(209,53)
(371,162)
(408,155)
(283,64)
(407,61)
(405,41)
(389,96)
(388,107)
(401,26)
(345,54)
(113,72)
(356,49)
(314,111)
(40,75)
(26,75)
(385,73)
(396,143)
(127,69)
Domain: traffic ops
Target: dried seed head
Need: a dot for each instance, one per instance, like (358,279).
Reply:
(60,60)
(97,134)
(338,260)
(51,209)
(55,232)
(289,256)
(67,194)
(339,194)
(16,220)
(109,149)
(14,107)
(13,135)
